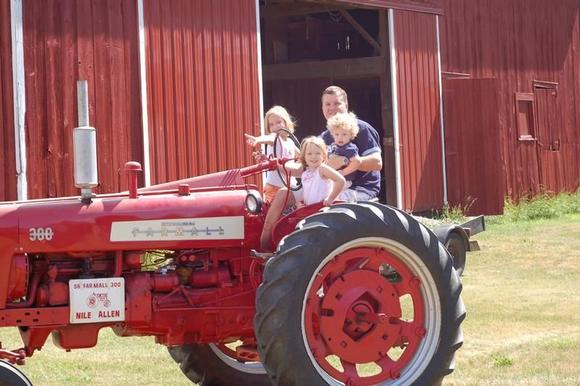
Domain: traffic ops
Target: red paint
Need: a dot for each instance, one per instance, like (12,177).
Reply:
(351,320)
(210,297)
(61,47)
(202,89)
(419,111)
(18,278)
(518,43)
(472,146)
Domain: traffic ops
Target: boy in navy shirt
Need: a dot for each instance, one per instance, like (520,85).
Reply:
(367,181)
(344,128)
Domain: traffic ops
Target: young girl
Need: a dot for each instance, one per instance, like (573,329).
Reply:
(320,182)
(276,119)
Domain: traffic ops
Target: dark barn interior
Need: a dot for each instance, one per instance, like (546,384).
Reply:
(307,46)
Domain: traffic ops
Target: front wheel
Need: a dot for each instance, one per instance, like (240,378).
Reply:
(361,294)
(217,365)
(11,376)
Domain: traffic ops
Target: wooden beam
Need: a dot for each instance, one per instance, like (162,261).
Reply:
(340,68)
(279,11)
(360,29)
(386,111)
(404,5)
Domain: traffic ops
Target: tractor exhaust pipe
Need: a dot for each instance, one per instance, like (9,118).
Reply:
(85,147)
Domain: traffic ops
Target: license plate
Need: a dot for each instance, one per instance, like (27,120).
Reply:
(97,300)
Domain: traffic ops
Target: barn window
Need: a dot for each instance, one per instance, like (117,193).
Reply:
(525,116)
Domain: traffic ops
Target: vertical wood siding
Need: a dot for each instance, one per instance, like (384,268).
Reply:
(68,40)
(8,163)
(472,147)
(419,114)
(202,85)
(517,42)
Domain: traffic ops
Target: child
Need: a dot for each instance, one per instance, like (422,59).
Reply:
(320,182)
(276,118)
(344,128)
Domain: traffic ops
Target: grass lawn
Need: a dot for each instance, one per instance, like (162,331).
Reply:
(522,293)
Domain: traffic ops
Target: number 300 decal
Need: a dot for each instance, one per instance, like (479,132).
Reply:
(39,234)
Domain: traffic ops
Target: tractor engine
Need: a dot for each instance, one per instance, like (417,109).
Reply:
(171,263)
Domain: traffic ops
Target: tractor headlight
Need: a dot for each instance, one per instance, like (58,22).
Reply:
(253,203)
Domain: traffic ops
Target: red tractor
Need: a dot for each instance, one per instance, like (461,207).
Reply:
(348,285)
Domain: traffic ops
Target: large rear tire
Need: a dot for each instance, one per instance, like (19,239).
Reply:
(211,365)
(11,376)
(361,294)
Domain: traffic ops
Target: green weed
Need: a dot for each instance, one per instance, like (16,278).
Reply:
(500,360)
(540,207)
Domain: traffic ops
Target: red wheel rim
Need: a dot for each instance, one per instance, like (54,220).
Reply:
(357,309)
(242,351)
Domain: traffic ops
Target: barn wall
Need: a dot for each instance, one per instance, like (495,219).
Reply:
(202,85)
(65,41)
(472,147)
(419,111)
(518,42)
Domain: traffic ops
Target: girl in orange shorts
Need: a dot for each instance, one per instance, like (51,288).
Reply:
(276,119)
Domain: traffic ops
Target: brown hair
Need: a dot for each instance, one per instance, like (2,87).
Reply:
(335,90)
(316,141)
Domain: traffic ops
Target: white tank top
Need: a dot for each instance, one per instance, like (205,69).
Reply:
(316,188)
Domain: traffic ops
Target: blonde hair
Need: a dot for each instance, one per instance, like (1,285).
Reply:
(337,91)
(316,141)
(282,113)
(343,121)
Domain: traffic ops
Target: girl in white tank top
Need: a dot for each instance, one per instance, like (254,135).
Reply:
(320,182)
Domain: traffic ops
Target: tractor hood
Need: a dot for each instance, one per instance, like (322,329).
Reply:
(154,220)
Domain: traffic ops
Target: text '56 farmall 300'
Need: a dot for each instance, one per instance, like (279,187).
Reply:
(347,285)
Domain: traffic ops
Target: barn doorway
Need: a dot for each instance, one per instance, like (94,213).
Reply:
(307,46)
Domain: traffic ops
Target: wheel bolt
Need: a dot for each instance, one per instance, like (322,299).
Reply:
(415,282)
(420,332)
(395,374)
(343,344)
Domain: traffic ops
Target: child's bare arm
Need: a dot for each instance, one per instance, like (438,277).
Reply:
(259,140)
(295,168)
(338,183)
(353,165)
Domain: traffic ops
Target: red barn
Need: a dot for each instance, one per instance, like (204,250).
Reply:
(474,101)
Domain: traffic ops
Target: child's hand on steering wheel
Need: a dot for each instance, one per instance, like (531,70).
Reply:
(259,156)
